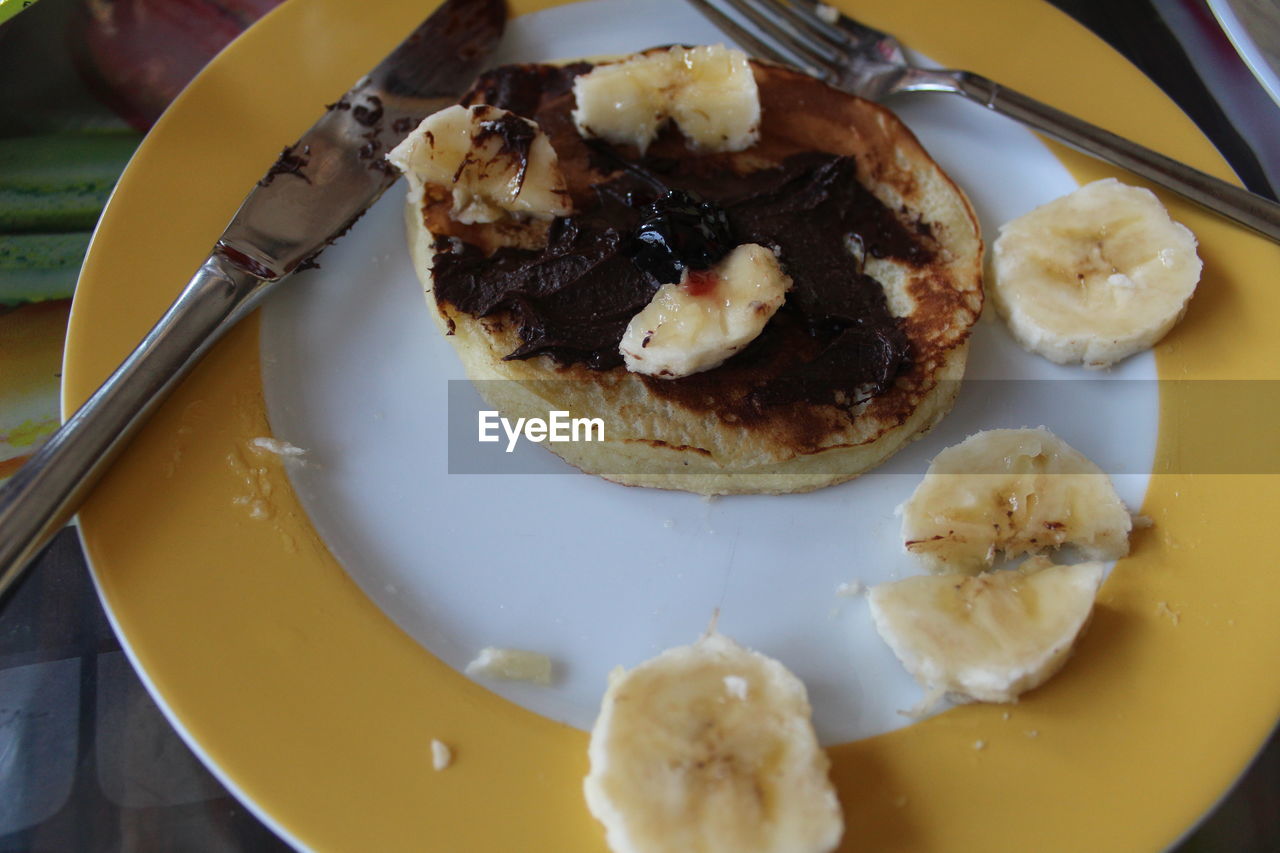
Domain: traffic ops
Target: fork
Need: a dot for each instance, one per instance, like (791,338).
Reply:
(870,63)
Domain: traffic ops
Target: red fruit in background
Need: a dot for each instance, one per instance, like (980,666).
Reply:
(137,55)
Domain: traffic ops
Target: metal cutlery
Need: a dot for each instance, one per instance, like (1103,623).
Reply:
(870,63)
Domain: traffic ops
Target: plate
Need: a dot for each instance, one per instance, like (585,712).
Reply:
(305,634)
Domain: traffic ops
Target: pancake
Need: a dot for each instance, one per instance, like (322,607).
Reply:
(771,419)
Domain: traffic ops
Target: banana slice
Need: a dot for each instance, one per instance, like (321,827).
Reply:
(709,747)
(709,315)
(1094,276)
(988,637)
(708,91)
(1015,491)
(496,163)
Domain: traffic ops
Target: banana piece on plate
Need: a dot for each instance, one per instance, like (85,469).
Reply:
(697,323)
(1014,491)
(495,163)
(709,747)
(1094,276)
(708,91)
(988,637)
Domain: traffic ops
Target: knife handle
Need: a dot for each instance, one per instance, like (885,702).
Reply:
(1249,209)
(46,491)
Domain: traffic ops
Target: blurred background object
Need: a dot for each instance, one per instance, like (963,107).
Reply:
(137,55)
(1253,26)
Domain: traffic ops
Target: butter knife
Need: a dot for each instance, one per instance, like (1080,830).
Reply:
(309,197)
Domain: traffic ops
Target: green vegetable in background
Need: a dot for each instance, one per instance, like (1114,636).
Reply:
(52,190)
(36,267)
(59,182)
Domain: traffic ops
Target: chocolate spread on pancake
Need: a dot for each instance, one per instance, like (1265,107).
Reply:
(523,89)
(833,341)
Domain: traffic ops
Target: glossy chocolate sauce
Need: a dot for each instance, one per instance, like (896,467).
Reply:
(833,341)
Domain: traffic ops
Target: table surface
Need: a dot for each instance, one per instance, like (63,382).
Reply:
(87,761)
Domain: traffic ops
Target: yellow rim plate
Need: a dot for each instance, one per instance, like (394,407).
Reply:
(318,710)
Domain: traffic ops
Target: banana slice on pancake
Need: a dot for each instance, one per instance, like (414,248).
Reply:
(709,747)
(708,91)
(1095,276)
(495,163)
(695,324)
(1012,491)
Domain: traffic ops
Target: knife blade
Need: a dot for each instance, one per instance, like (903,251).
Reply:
(320,184)
(309,197)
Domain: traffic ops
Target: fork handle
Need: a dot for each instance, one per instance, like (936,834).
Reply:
(1249,209)
(39,499)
